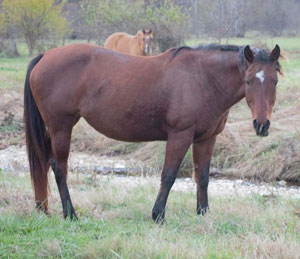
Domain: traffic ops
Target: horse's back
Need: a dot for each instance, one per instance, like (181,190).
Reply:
(94,82)
(124,97)
(119,41)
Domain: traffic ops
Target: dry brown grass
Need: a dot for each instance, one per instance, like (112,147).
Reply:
(115,221)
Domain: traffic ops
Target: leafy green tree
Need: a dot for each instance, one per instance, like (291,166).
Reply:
(169,21)
(104,17)
(34,19)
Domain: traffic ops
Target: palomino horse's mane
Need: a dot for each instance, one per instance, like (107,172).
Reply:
(261,55)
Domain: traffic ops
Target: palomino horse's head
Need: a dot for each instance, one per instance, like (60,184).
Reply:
(261,80)
(145,40)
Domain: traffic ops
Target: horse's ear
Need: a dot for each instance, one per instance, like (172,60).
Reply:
(151,33)
(248,54)
(275,54)
(144,31)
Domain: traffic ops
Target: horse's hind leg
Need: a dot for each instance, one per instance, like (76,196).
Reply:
(60,140)
(202,153)
(177,146)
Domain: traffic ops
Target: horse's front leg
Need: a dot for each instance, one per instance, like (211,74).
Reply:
(177,146)
(202,152)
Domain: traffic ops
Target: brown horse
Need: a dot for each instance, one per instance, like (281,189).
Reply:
(139,44)
(182,96)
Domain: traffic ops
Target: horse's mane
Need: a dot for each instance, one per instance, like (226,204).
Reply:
(261,55)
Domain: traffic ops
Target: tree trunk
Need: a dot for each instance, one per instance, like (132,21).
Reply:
(13,48)
(196,22)
(30,50)
(220,29)
(98,41)
(30,45)
(64,41)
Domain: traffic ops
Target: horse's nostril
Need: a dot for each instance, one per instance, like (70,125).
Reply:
(255,123)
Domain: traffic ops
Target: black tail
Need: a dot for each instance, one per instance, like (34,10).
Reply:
(37,141)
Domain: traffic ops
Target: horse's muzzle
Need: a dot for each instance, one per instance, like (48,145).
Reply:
(261,129)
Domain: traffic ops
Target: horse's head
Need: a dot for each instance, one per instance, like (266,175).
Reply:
(145,39)
(261,80)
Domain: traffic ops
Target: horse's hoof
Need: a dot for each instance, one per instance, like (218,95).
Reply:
(45,212)
(202,210)
(72,216)
(158,218)
(42,209)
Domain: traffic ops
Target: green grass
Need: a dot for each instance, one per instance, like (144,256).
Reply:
(12,72)
(115,222)
(285,43)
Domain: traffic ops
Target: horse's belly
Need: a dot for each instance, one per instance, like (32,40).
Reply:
(125,111)
(127,131)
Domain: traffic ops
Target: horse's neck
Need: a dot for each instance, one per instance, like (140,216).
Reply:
(225,80)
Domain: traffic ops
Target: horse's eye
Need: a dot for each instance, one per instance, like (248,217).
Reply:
(248,82)
(275,82)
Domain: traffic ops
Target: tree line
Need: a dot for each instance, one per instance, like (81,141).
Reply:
(44,24)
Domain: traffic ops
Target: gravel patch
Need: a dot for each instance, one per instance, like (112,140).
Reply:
(14,159)
(217,187)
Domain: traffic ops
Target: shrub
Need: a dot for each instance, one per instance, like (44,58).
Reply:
(168,20)
(170,23)
(34,19)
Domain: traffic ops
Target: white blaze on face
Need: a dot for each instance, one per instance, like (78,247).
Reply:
(261,76)
(147,48)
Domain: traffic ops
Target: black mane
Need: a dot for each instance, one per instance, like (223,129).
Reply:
(261,55)
(211,46)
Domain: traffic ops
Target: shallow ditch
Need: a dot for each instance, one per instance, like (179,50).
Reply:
(132,172)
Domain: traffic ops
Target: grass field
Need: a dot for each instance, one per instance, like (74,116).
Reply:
(115,222)
(286,43)
(12,70)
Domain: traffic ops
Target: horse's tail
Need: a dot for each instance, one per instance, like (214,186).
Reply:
(37,141)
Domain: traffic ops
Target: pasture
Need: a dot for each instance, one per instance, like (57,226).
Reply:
(115,221)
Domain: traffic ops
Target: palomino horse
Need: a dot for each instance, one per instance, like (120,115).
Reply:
(182,96)
(139,44)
